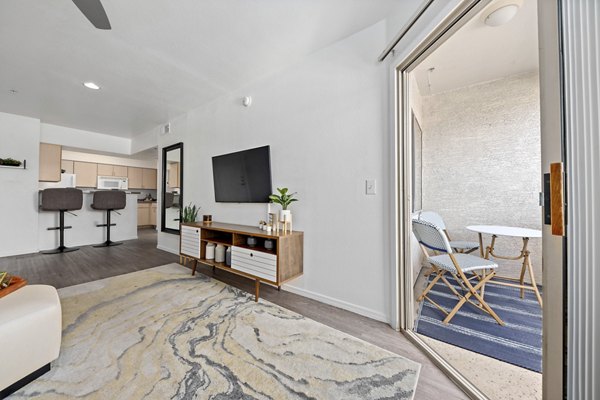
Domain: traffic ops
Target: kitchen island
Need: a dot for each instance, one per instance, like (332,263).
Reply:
(84,230)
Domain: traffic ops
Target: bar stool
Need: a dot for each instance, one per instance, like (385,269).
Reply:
(108,200)
(61,200)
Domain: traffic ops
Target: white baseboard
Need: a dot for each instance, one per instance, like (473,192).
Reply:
(366,312)
(167,249)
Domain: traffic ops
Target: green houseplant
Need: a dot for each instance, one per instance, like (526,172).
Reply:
(190,213)
(284,199)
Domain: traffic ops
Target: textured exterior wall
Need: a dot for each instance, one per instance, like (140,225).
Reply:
(482,159)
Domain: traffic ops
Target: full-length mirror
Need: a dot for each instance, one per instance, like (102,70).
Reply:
(172,187)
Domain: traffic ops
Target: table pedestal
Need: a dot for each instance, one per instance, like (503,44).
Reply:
(526,266)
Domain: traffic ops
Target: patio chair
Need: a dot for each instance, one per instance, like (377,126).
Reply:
(445,260)
(459,246)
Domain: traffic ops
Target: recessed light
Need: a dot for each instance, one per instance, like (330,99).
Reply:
(91,85)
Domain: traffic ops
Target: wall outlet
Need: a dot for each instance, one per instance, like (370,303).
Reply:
(371,186)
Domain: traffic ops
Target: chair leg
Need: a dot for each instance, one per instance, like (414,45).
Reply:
(61,228)
(439,275)
(108,225)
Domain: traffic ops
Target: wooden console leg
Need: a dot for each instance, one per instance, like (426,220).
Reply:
(194,267)
(279,288)
(256,289)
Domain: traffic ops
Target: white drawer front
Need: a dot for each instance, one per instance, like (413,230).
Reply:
(255,253)
(190,241)
(190,232)
(251,262)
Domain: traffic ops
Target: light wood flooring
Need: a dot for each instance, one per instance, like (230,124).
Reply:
(89,264)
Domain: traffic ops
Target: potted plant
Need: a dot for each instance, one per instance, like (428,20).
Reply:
(190,213)
(284,199)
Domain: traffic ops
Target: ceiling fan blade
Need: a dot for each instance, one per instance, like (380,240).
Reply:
(93,11)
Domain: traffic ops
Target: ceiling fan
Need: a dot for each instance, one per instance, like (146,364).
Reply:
(94,12)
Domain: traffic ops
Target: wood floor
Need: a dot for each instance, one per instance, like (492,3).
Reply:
(89,264)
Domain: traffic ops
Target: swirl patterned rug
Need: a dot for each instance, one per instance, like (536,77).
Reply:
(163,334)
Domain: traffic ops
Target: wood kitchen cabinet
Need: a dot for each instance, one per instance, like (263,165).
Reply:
(50,162)
(173,178)
(141,178)
(134,175)
(112,170)
(87,173)
(146,214)
(67,166)
(148,178)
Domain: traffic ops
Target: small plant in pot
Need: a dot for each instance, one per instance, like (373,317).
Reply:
(190,213)
(284,199)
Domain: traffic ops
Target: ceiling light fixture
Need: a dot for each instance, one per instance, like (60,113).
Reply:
(501,15)
(91,85)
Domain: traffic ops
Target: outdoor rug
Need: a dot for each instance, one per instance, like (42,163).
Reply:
(519,342)
(163,334)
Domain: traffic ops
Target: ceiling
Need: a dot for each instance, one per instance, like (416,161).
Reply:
(161,58)
(479,53)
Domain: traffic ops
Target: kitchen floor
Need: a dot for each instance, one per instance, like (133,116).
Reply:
(89,263)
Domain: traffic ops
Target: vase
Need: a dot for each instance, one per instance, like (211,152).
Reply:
(285,215)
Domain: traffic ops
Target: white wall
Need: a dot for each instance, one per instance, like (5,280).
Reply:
(105,159)
(19,139)
(80,139)
(325,120)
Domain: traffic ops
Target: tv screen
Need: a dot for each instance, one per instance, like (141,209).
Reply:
(243,177)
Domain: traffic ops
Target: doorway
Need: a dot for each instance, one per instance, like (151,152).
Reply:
(471,151)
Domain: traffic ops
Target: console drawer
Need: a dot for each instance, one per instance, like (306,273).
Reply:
(263,265)
(190,241)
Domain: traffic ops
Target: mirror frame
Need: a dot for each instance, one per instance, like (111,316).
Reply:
(163,213)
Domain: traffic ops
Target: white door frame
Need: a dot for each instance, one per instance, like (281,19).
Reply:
(553,262)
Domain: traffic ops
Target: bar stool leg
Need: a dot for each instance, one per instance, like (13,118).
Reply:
(61,229)
(108,225)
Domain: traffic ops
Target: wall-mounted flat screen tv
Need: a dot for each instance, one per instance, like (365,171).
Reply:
(243,176)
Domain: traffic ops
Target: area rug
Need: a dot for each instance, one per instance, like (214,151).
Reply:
(519,342)
(163,334)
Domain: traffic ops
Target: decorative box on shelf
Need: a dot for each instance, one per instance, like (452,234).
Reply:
(276,263)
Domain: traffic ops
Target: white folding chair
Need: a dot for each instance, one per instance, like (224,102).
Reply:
(459,246)
(444,260)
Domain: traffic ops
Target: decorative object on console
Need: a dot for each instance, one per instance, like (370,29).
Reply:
(268,244)
(220,253)
(210,251)
(228,256)
(10,162)
(284,199)
(251,241)
(190,213)
(207,218)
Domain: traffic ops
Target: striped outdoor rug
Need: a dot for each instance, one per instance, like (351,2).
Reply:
(519,342)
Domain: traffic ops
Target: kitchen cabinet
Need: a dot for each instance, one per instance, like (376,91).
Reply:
(141,178)
(86,174)
(50,162)
(153,214)
(67,166)
(148,178)
(146,214)
(173,178)
(112,170)
(135,177)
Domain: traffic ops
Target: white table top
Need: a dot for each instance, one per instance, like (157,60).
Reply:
(506,231)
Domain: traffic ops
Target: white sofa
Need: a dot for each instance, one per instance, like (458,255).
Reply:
(30,335)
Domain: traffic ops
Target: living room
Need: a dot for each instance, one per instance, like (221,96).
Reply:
(302,79)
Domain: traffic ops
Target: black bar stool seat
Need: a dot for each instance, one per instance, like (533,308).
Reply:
(61,200)
(108,200)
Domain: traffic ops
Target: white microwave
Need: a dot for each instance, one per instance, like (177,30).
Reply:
(112,182)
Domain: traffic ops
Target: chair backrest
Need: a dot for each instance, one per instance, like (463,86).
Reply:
(431,236)
(62,199)
(109,200)
(432,217)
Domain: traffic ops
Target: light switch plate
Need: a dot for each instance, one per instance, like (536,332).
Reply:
(371,186)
